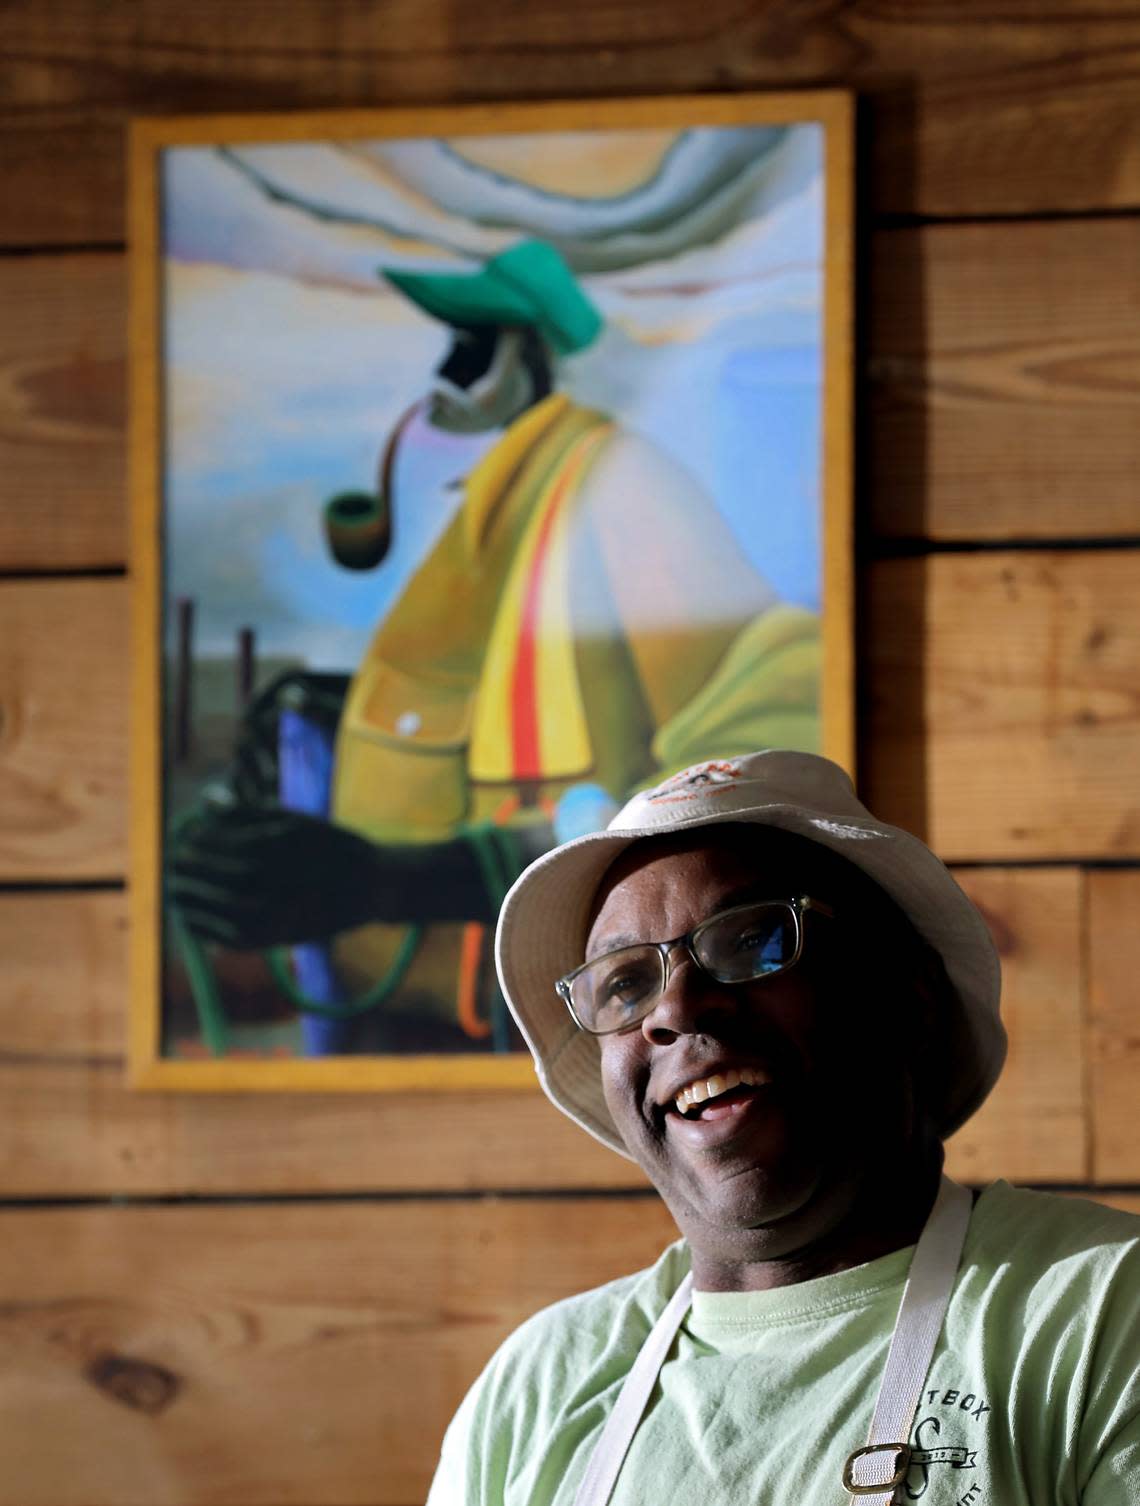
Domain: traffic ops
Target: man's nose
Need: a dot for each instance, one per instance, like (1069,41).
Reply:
(689,996)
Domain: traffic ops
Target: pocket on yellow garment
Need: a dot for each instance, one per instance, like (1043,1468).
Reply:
(401,768)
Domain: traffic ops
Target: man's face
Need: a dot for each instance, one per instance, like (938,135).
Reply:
(774,1166)
(482,382)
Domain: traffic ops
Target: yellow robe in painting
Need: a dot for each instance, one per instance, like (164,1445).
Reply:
(586,616)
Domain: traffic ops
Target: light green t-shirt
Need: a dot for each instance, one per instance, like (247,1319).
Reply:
(1032,1399)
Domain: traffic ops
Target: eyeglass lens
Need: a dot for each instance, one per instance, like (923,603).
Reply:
(745,943)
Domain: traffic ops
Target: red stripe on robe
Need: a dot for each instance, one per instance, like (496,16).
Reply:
(524,686)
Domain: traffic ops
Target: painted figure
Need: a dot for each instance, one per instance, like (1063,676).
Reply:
(584,625)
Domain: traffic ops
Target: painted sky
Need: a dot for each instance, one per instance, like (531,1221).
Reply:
(289,360)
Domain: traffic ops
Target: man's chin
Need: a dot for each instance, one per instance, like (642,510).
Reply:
(763,1198)
(744,1181)
(766,1213)
(739,1204)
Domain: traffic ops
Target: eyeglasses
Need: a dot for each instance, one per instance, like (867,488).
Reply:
(757,940)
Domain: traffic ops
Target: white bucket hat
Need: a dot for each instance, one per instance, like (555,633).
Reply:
(542,926)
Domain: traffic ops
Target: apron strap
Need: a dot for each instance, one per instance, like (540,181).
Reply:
(871,1474)
(617,1435)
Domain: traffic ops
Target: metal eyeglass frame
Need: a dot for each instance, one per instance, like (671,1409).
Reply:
(798,905)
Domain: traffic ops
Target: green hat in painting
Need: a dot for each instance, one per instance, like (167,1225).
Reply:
(528,285)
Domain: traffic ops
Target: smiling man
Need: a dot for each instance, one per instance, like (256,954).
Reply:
(780,1007)
(746,1100)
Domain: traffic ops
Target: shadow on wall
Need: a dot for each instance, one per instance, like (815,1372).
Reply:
(890,482)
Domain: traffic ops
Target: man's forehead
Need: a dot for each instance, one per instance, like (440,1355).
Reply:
(743,853)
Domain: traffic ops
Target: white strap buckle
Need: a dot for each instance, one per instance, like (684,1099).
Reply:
(901,1451)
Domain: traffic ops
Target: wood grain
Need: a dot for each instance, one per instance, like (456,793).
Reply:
(1114,1024)
(996,112)
(62,412)
(62,989)
(71,1127)
(63,659)
(1033,1126)
(272,1353)
(198,1356)
(1000,703)
(1127,1202)
(1004,380)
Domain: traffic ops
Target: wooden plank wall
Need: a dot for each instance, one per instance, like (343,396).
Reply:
(280,1300)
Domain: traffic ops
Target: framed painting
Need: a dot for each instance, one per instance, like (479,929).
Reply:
(488,464)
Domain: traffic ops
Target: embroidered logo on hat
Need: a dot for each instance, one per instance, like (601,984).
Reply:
(689,784)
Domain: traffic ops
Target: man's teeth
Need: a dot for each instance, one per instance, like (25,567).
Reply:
(720,1082)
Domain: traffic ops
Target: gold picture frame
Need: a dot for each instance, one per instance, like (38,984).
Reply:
(155,273)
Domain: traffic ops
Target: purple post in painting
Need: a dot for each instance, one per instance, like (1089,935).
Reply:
(183,678)
(305,759)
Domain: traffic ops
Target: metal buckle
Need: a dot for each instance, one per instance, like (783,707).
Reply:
(902,1450)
